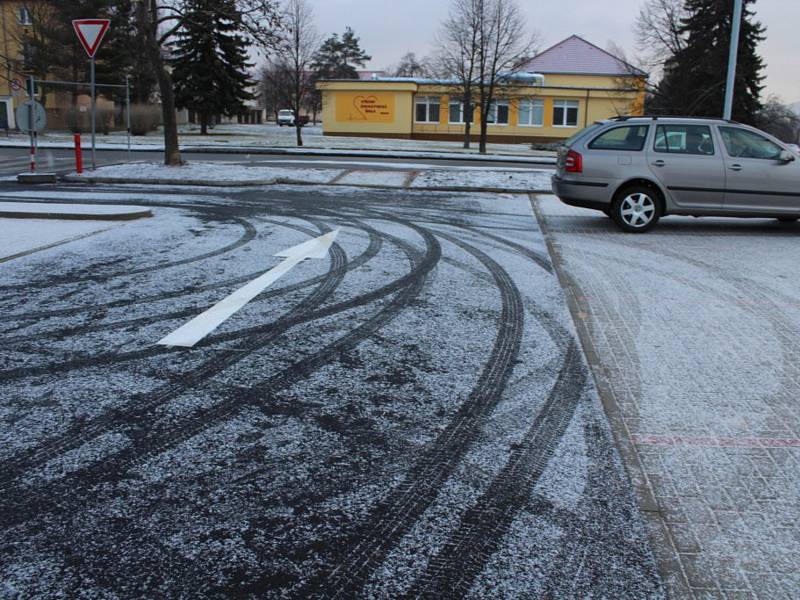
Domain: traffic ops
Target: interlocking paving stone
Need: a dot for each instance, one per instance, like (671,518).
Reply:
(692,331)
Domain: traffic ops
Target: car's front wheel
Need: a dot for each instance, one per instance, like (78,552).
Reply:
(636,209)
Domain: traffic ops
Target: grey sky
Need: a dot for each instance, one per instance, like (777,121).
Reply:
(390,28)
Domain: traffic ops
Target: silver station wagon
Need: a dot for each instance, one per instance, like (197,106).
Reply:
(639,169)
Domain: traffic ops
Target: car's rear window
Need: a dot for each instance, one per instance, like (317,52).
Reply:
(629,137)
(583,132)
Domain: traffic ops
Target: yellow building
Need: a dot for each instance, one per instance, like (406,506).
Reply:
(550,97)
(15,23)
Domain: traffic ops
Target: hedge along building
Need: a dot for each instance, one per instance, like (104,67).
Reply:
(548,98)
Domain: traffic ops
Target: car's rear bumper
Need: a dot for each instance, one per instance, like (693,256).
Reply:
(584,194)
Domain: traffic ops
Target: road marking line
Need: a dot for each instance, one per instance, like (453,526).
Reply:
(203,324)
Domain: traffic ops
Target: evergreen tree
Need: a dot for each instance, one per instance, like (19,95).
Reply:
(694,78)
(123,51)
(210,61)
(338,58)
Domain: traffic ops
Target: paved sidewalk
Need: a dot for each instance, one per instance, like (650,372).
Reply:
(692,330)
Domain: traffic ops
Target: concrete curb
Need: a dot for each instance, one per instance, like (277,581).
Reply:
(162,181)
(37,178)
(122,216)
(632,463)
(401,154)
(579,310)
(288,181)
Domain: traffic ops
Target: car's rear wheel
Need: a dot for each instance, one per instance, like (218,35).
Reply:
(636,209)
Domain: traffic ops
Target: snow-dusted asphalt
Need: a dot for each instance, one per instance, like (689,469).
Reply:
(411,417)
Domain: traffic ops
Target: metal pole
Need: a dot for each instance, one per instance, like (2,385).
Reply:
(128,110)
(736,27)
(31,122)
(94,117)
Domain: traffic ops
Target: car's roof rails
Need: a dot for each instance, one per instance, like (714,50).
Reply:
(657,117)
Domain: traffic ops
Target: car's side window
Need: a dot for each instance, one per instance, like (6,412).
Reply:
(684,139)
(742,143)
(631,138)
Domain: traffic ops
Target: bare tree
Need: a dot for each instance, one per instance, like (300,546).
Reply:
(296,49)
(480,45)
(457,51)
(780,120)
(658,31)
(276,81)
(634,79)
(410,66)
(504,44)
(160,20)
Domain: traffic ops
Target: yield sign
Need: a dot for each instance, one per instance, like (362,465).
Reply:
(90,33)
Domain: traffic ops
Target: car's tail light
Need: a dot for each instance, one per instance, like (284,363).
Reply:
(573,162)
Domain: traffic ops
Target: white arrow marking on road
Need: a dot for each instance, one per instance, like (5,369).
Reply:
(203,324)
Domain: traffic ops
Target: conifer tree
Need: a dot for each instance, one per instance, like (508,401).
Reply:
(337,58)
(694,78)
(210,65)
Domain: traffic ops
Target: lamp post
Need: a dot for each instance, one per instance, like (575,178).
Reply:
(736,27)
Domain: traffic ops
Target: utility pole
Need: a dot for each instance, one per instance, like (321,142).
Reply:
(736,27)
(128,110)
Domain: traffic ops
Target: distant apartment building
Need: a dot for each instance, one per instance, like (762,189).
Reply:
(549,98)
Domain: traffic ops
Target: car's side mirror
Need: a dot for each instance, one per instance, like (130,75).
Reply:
(786,156)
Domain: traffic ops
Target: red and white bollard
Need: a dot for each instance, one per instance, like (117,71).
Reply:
(33,159)
(78,154)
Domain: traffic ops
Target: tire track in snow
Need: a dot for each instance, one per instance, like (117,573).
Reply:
(397,513)
(150,440)
(375,244)
(482,528)
(83,432)
(247,236)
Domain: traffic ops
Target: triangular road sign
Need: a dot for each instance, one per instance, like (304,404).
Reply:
(90,33)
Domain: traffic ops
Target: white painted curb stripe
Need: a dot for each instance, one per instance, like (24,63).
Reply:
(203,324)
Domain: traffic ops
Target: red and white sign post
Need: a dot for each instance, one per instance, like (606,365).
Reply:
(91,33)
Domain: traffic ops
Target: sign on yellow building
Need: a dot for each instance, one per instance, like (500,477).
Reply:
(365,107)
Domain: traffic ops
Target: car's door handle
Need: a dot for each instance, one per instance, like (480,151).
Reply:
(736,167)
(659,163)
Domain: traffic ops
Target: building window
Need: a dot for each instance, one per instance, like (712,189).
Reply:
(456,114)
(565,113)
(531,112)
(427,109)
(498,113)
(24,16)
